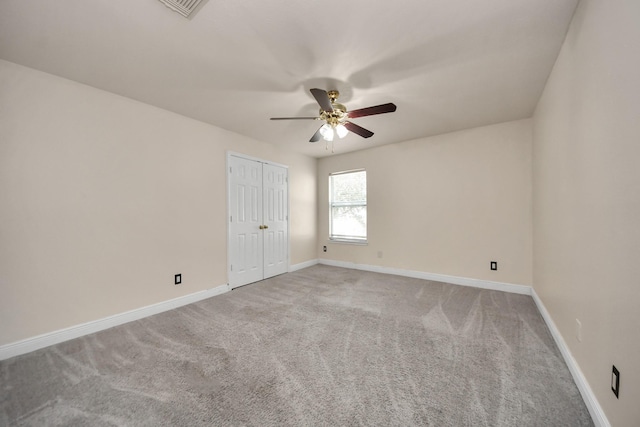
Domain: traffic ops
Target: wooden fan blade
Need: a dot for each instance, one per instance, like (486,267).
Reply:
(352,127)
(323,99)
(316,136)
(370,111)
(294,118)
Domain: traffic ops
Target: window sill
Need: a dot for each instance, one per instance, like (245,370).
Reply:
(349,242)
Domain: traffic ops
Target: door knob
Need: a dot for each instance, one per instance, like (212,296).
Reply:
(264,227)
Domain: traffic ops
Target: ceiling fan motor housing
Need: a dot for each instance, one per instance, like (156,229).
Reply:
(339,113)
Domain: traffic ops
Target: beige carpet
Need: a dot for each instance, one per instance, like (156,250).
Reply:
(321,346)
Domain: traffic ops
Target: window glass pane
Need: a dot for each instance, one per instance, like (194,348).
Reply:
(349,187)
(348,205)
(349,222)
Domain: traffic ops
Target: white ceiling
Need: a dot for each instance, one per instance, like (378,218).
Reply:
(447,64)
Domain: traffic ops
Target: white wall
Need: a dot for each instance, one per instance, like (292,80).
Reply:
(447,204)
(586,190)
(103,199)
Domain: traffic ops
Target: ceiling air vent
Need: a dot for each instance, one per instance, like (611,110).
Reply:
(183,7)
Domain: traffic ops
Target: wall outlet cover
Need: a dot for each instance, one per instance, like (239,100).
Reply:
(177,279)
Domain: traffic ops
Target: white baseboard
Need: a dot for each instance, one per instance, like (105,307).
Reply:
(597,414)
(45,340)
(302,265)
(455,280)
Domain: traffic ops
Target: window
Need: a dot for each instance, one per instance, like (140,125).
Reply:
(348,206)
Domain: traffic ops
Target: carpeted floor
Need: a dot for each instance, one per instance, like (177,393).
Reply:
(321,346)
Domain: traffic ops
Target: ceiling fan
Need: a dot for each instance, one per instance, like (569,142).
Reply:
(336,116)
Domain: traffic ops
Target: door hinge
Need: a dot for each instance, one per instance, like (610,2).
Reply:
(231,218)
(231,267)
(230,170)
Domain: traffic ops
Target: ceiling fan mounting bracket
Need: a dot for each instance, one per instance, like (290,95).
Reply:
(333,95)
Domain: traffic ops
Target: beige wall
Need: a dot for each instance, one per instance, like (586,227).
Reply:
(103,199)
(587,199)
(448,204)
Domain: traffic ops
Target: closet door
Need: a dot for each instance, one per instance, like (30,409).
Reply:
(274,186)
(258,221)
(245,219)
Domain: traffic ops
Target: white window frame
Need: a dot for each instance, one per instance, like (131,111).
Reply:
(346,239)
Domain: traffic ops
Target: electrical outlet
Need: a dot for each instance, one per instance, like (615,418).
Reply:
(579,330)
(177,279)
(615,381)
(494,265)
(324,249)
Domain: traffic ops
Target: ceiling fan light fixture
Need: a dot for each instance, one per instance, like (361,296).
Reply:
(327,132)
(341,131)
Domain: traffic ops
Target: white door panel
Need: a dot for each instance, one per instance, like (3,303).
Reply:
(246,238)
(275,209)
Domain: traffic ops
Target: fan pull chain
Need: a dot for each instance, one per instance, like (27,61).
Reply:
(326,146)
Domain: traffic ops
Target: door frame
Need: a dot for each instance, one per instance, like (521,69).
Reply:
(227,220)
